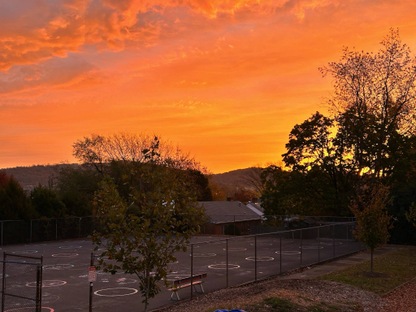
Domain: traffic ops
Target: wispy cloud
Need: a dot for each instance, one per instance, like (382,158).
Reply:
(212,75)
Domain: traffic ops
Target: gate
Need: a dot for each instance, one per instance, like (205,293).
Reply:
(18,287)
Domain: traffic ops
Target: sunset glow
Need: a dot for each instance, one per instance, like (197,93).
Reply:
(225,80)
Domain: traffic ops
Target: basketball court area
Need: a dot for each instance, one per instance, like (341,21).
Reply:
(227,262)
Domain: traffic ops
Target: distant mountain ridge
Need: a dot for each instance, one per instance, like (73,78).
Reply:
(30,177)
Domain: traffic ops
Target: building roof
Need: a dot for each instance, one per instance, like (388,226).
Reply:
(228,212)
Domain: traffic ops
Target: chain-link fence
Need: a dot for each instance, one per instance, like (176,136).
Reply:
(38,230)
(21,283)
(236,260)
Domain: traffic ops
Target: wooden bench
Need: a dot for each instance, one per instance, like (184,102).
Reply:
(185,282)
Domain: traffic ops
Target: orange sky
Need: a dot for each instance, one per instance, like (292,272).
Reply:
(226,80)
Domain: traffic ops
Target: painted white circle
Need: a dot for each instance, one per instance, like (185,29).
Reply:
(70,247)
(223,266)
(65,255)
(25,252)
(235,249)
(289,253)
(58,267)
(203,254)
(29,309)
(116,292)
(260,258)
(47,283)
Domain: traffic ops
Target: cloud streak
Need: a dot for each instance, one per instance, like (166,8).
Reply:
(210,75)
(33,31)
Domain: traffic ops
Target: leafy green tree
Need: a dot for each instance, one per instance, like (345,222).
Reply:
(146,208)
(313,151)
(46,202)
(14,203)
(373,221)
(76,187)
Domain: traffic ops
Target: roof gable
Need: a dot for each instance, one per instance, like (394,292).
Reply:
(228,211)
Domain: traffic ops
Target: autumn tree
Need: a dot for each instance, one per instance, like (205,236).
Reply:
(373,109)
(373,221)
(374,104)
(146,205)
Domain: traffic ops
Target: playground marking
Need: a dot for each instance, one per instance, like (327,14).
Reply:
(311,247)
(65,255)
(223,266)
(203,255)
(235,249)
(47,283)
(70,247)
(58,267)
(126,280)
(117,292)
(48,298)
(25,252)
(289,253)
(29,309)
(260,258)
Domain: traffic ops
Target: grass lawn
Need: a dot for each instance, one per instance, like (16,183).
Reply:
(390,271)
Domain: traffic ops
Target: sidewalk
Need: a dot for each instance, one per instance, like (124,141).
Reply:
(338,264)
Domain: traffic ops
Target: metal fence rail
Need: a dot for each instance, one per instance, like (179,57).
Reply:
(242,259)
(39,230)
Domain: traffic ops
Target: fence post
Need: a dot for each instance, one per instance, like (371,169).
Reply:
(333,240)
(280,253)
(226,263)
(31,231)
(255,258)
(3,281)
(91,284)
(301,247)
(79,227)
(38,288)
(192,268)
(56,229)
(319,245)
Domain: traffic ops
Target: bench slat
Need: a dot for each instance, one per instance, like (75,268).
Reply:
(187,282)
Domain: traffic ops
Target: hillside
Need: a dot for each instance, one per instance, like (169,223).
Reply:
(30,177)
(237,181)
(229,182)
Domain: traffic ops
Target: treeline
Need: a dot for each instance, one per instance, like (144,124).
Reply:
(337,164)
(72,191)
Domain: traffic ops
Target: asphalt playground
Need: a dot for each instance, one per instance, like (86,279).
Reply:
(227,262)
